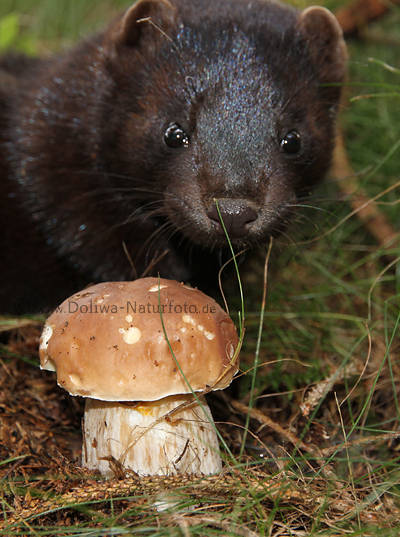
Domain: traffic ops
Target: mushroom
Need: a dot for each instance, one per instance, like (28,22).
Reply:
(138,351)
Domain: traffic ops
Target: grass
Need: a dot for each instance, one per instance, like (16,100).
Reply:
(321,455)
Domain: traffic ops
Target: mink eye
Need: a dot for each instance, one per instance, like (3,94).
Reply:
(175,136)
(291,143)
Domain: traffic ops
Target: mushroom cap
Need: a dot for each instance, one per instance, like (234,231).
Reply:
(107,342)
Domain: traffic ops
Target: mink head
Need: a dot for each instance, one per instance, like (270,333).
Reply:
(224,111)
(181,112)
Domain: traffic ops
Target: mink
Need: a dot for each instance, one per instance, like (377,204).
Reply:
(115,155)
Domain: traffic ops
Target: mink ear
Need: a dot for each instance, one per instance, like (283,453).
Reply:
(157,13)
(324,35)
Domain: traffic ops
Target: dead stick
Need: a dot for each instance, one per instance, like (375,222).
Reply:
(326,469)
(323,387)
(373,439)
(368,212)
(265,420)
(359,13)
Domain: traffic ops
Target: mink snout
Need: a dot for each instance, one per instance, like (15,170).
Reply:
(237,216)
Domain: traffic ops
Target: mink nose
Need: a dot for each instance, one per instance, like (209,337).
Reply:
(237,214)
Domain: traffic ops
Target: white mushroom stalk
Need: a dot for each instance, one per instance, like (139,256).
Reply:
(140,371)
(150,438)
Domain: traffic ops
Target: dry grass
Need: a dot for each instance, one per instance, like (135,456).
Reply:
(297,477)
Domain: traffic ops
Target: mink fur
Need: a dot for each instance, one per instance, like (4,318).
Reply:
(90,190)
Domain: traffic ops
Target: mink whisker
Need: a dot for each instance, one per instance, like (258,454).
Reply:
(159,231)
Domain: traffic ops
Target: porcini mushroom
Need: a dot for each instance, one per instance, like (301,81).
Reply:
(138,369)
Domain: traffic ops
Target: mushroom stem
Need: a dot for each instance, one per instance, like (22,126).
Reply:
(149,439)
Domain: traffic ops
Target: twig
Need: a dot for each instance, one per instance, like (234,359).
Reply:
(130,260)
(218,522)
(365,208)
(7,324)
(256,414)
(372,439)
(156,259)
(320,389)
(265,420)
(359,13)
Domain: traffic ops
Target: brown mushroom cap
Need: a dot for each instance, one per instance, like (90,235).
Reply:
(107,342)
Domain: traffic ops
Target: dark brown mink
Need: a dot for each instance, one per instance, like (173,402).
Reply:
(112,155)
